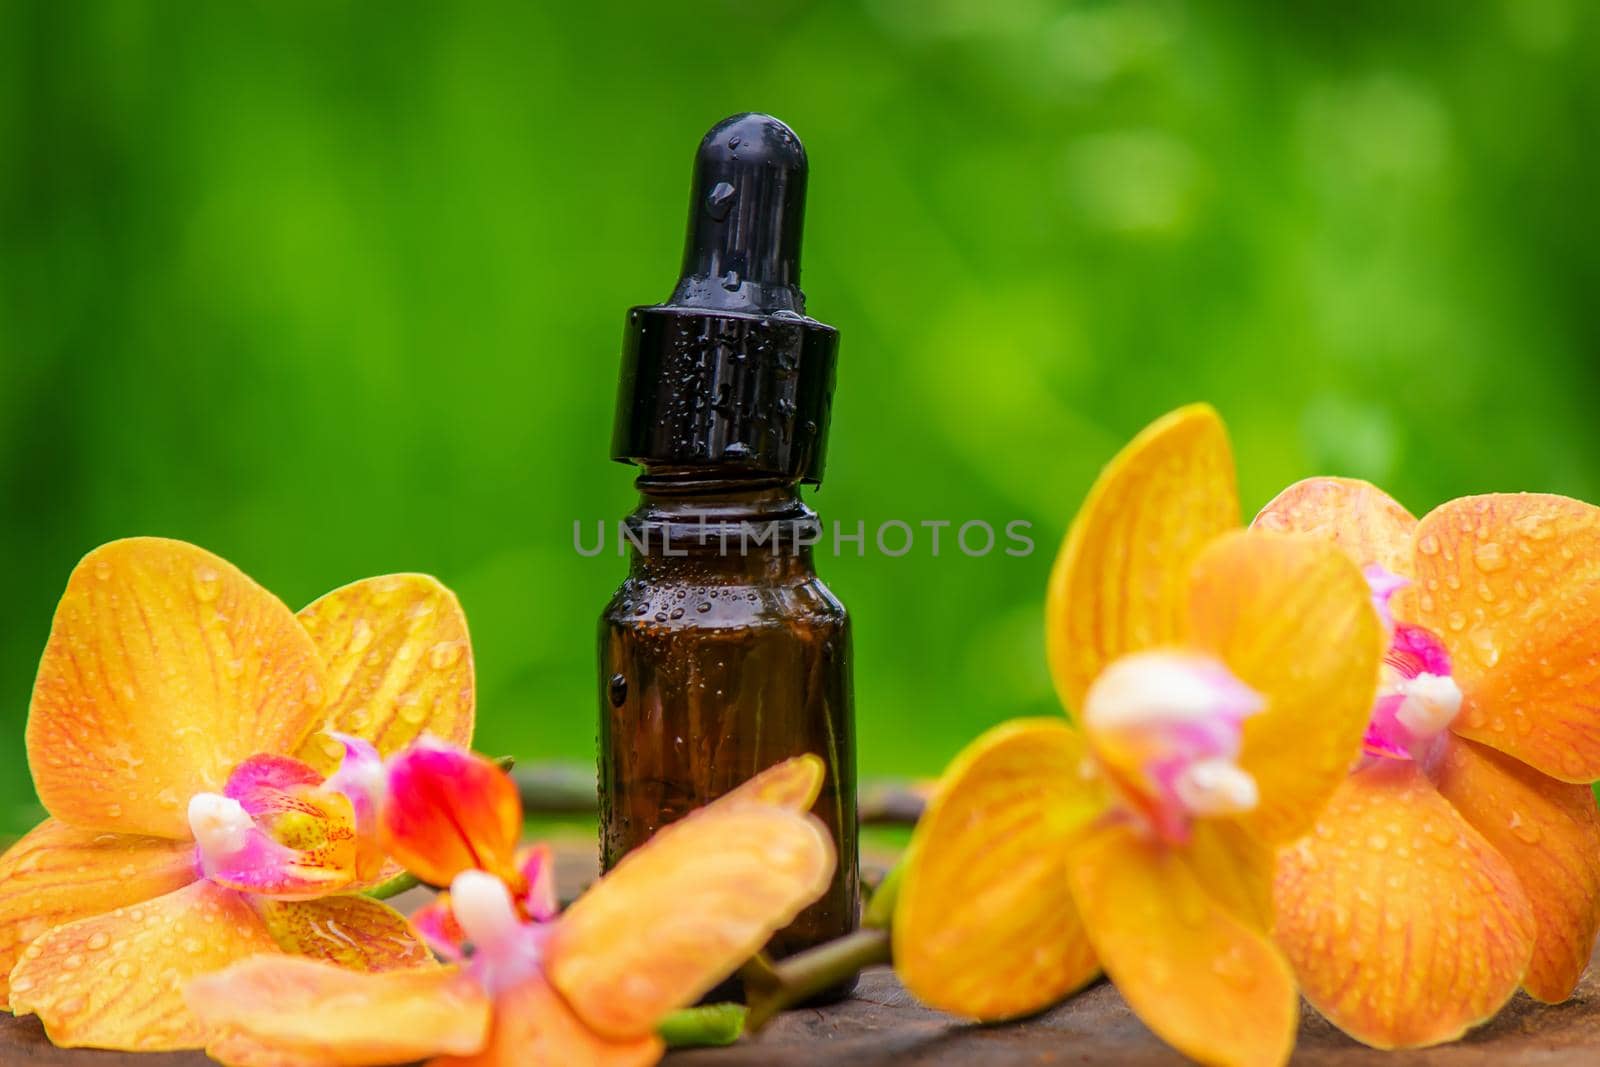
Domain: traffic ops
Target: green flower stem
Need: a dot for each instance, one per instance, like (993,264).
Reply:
(771,988)
(880,909)
(559,788)
(709,1024)
(400,883)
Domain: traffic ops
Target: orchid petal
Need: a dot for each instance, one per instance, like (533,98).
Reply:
(399,662)
(58,874)
(534,1025)
(983,925)
(1549,832)
(680,912)
(794,783)
(450,811)
(1512,584)
(1292,619)
(280,1011)
(363,779)
(1118,581)
(1210,985)
(1235,868)
(436,922)
(354,932)
(1405,926)
(165,668)
(1357,516)
(538,866)
(116,980)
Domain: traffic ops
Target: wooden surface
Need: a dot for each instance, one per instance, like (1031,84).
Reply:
(882,1027)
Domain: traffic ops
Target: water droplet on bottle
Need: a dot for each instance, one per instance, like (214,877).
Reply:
(617,690)
(719,201)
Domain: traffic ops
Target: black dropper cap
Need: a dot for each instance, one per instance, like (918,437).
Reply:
(729,375)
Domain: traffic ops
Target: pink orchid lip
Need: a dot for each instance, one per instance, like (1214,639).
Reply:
(495,928)
(539,875)
(239,847)
(1167,727)
(1417,698)
(438,927)
(506,949)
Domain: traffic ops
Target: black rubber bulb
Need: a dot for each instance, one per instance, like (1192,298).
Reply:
(731,375)
(746,211)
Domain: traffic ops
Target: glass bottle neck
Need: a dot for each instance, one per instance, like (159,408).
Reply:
(744,529)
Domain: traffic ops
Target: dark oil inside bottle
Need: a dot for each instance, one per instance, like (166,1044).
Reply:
(720,657)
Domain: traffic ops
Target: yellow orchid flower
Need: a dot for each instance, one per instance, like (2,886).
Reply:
(1461,858)
(173,739)
(1222,680)
(528,987)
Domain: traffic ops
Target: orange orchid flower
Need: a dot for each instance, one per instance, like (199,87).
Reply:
(173,738)
(1461,858)
(1222,679)
(527,987)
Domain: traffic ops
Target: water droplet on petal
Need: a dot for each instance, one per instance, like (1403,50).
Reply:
(1233,968)
(1527,832)
(207,582)
(1489,556)
(445,654)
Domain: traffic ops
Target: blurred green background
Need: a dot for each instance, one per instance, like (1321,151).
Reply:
(335,289)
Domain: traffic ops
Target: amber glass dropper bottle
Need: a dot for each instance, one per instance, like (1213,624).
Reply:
(723,653)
